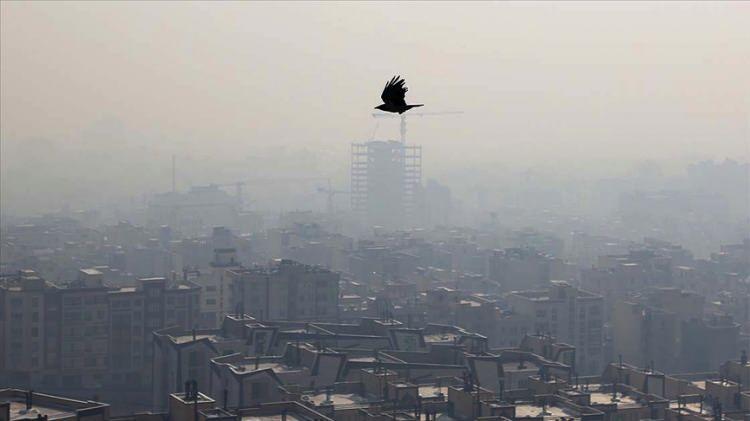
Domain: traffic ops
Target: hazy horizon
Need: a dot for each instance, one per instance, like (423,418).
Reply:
(98,91)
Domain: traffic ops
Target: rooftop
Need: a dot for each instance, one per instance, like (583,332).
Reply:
(551,412)
(429,391)
(605,398)
(44,405)
(18,411)
(248,365)
(337,399)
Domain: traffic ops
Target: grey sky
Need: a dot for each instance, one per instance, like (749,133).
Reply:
(546,83)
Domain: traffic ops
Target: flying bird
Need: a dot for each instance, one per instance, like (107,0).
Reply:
(393,97)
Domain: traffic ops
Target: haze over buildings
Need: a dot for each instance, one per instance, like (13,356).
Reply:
(201,218)
(232,88)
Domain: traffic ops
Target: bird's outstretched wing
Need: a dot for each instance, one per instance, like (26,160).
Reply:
(395,92)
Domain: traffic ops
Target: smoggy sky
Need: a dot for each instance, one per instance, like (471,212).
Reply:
(545,83)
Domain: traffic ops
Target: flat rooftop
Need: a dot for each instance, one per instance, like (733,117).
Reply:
(513,366)
(181,339)
(248,366)
(605,398)
(431,391)
(441,337)
(471,303)
(693,408)
(201,398)
(18,412)
(363,359)
(339,399)
(548,413)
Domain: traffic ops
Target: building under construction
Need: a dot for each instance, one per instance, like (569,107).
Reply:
(386,179)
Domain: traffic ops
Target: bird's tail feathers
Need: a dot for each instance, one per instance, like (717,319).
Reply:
(416,105)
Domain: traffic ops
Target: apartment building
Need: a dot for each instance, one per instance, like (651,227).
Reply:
(521,268)
(215,283)
(286,290)
(569,314)
(84,334)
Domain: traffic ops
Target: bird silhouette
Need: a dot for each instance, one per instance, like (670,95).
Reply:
(393,97)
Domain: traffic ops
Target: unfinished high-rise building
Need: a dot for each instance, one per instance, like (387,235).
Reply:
(386,177)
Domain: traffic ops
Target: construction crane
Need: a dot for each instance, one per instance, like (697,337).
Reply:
(403,119)
(238,185)
(330,194)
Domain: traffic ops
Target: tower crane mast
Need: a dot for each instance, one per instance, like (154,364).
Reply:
(402,127)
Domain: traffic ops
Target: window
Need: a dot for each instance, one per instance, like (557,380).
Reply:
(210,301)
(34,332)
